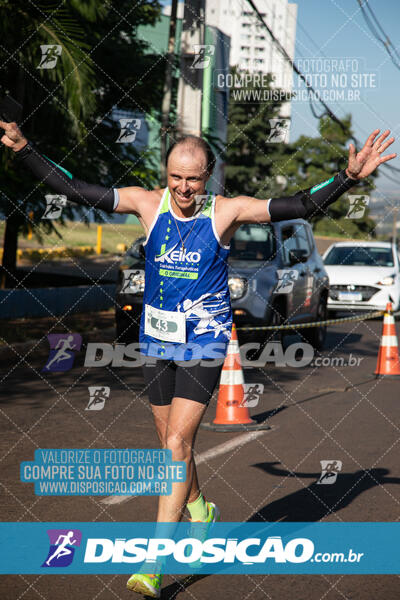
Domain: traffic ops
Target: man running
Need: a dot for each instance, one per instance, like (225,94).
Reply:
(187,247)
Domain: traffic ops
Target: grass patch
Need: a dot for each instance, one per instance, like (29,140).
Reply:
(76,233)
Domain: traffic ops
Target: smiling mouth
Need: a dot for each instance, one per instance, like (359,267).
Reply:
(183,197)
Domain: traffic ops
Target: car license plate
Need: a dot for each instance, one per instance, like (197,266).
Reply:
(350,296)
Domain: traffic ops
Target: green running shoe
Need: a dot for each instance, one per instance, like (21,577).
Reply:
(200,532)
(148,585)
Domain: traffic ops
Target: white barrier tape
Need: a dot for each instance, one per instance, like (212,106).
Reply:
(372,315)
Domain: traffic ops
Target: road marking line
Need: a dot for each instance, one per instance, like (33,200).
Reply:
(223,448)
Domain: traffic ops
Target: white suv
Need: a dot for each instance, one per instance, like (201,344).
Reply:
(363,275)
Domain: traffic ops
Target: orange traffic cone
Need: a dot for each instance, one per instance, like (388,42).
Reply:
(232,414)
(388,364)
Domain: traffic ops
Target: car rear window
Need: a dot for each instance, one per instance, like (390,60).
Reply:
(253,242)
(363,256)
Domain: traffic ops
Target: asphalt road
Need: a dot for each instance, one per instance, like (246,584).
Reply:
(316,413)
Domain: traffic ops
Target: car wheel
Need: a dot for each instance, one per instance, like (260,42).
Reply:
(316,336)
(127,330)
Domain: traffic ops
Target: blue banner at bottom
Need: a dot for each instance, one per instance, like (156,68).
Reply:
(224,548)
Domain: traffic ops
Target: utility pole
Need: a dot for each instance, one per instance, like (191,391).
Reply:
(191,72)
(167,92)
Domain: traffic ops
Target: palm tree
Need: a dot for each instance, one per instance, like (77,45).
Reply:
(100,63)
(55,100)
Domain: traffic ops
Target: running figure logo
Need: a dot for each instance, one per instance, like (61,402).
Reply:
(205,310)
(329,471)
(129,129)
(50,54)
(358,206)
(62,351)
(54,205)
(279,131)
(62,547)
(97,397)
(200,201)
(133,281)
(252,393)
(203,54)
(286,280)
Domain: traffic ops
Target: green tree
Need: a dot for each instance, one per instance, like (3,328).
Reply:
(67,109)
(250,157)
(311,160)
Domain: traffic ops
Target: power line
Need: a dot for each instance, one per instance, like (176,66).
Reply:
(324,55)
(295,68)
(387,166)
(386,42)
(382,37)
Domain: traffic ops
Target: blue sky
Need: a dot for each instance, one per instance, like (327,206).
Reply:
(338,30)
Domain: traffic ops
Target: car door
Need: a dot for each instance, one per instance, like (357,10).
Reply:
(320,281)
(306,277)
(295,298)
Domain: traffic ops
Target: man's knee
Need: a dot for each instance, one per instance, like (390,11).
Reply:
(181,450)
(162,436)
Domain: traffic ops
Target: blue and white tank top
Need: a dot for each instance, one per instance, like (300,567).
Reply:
(193,280)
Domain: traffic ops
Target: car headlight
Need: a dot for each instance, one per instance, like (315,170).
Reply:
(133,281)
(389,280)
(237,287)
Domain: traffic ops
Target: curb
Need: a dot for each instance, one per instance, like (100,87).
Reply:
(11,351)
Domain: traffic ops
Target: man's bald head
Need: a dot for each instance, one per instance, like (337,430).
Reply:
(196,147)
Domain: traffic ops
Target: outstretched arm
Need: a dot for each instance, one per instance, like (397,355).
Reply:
(315,201)
(63,182)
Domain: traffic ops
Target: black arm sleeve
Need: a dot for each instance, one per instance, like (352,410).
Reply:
(311,202)
(63,182)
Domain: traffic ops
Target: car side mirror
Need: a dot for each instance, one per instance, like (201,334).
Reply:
(298,255)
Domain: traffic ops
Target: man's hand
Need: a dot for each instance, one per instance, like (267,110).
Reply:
(363,163)
(13,137)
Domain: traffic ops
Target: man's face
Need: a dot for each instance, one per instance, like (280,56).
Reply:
(187,177)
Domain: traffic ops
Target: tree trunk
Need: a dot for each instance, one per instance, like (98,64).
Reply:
(10,246)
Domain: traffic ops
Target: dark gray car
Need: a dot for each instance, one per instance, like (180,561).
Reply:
(277,276)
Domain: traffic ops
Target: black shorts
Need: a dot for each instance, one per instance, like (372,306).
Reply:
(167,379)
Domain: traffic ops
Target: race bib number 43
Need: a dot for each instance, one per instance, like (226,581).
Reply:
(166,325)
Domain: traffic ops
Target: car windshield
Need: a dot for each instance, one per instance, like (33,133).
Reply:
(253,242)
(362,256)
